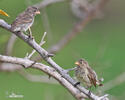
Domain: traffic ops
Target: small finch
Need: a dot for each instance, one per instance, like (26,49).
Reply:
(85,74)
(24,21)
(3,13)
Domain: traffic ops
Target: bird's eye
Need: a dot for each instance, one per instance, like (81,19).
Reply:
(35,10)
(80,61)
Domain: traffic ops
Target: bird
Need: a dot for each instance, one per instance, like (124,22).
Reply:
(86,75)
(3,13)
(25,20)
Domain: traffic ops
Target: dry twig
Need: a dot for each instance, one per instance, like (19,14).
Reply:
(76,29)
(48,70)
(28,56)
(10,44)
(38,78)
(45,3)
(43,53)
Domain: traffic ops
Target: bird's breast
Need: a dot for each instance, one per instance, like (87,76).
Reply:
(81,75)
(27,25)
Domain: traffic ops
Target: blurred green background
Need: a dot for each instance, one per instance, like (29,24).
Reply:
(101,43)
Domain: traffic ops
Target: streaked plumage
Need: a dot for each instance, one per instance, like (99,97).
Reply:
(25,19)
(85,74)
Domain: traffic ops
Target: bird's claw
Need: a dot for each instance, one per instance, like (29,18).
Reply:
(31,37)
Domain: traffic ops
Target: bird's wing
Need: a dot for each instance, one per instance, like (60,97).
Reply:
(23,18)
(92,76)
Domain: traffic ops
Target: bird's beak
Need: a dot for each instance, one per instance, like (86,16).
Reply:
(77,63)
(38,12)
(4,13)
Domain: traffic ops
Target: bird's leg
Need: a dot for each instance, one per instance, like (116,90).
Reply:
(30,33)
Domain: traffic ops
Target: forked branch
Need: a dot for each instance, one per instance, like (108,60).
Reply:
(43,53)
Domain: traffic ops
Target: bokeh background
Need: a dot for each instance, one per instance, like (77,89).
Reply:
(101,43)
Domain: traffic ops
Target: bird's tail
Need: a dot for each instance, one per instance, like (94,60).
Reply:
(99,82)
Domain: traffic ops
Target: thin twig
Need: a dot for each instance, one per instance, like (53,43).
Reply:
(38,78)
(43,53)
(44,35)
(28,56)
(10,44)
(48,70)
(114,82)
(71,69)
(45,3)
(77,28)
(46,25)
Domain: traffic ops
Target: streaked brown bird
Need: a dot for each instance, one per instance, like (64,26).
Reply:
(24,21)
(3,13)
(85,74)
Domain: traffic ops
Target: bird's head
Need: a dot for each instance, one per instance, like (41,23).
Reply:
(81,63)
(33,10)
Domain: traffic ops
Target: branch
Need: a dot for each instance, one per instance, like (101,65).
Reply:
(44,54)
(28,56)
(78,27)
(112,83)
(45,3)
(38,78)
(10,44)
(8,67)
(48,70)
(46,25)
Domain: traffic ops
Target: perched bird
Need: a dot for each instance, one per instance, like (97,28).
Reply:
(24,21)
(85,74)
(3,13)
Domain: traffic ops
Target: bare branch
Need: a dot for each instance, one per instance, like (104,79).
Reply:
(61,71)
(45,3)
(43,53)
(77,28)
(71,69)
(8,67)
(10,44)
(48,70)
(46,25)
(28,56)
(112,83)
(38,78)
(44,35)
